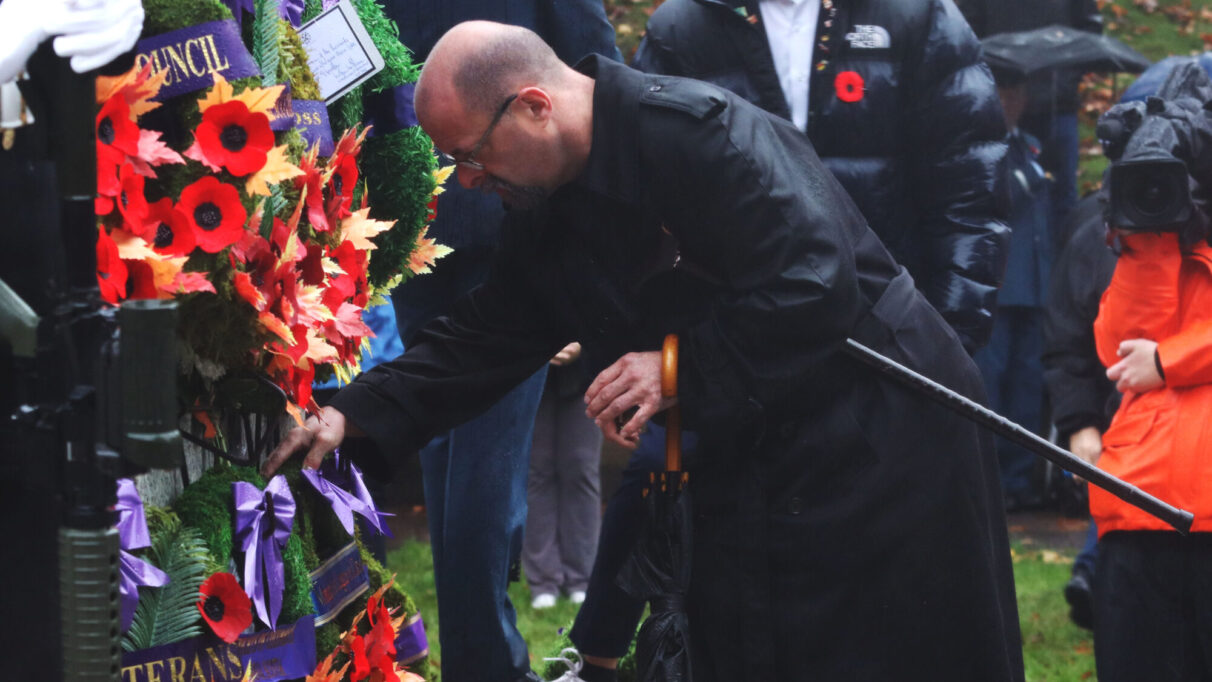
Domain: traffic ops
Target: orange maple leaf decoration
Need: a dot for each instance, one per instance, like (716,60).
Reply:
(136,86)
(426,253)
(360,227)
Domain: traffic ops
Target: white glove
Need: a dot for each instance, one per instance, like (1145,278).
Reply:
(91,32)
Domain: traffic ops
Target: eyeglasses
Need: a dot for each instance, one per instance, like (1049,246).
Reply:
(469,161)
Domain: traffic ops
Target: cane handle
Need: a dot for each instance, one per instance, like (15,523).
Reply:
(673,417)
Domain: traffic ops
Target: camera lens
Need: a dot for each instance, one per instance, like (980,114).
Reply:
(1153,195)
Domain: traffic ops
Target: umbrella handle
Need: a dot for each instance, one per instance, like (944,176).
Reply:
(673,417)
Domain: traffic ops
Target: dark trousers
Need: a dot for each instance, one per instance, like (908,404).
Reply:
(1153,607)
(1013,371)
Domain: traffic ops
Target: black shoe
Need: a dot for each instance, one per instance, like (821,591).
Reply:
(1080,595)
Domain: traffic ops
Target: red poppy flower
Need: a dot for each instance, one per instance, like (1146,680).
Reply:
(131,202)
(111,271)
(115,129)
(849,86)
(212,209)
(167,230)
(232,136)
(224,606)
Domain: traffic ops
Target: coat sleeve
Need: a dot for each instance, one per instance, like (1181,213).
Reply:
(774,229)
(575,28)
(455,368)
(1142,300)
(957,154)
(1077,382)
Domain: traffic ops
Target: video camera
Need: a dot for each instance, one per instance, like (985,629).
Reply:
(1161,158)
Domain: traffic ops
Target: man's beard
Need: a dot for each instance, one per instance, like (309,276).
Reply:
(523,197)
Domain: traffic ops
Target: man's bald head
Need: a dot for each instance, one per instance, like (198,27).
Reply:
(481,63)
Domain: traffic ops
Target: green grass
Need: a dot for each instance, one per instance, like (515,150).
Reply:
(1054,650)
(413,564)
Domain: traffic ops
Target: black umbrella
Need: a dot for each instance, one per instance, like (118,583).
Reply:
(1060,47)
(658,569)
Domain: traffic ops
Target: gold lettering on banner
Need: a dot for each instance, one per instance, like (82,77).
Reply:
(239,665)
(130,673)
(183,60)
(153,670)
(177,667)
(171,53)
(220,63)
(197,675)
(219,666)
(189,57)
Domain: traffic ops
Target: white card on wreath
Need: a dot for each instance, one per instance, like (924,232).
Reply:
(339,51)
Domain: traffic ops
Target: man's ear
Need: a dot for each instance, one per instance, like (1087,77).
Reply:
(537,102)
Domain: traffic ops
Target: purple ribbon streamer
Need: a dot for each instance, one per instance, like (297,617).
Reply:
(132,524)
(263,523)
(331,479)
(132,534)
(290,10)
(136,572)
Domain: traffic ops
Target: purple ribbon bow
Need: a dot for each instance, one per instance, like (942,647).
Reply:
(332,479)
(263,522)
(290,10)
(132,534)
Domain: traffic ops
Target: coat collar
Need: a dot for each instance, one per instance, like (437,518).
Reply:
(613,166)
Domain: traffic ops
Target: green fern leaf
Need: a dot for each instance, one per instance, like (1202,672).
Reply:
(265,40)
(170,614)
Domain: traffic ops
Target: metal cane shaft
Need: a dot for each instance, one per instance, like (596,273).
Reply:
(1178,518)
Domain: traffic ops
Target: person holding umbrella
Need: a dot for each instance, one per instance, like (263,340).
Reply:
(844,528)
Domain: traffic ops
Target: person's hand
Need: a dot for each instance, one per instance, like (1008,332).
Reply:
(632,381)
(567,355)
(1087,444)
(319,435)
(92,32)
(1137,371)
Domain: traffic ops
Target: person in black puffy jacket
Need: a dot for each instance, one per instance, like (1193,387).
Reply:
(901,109)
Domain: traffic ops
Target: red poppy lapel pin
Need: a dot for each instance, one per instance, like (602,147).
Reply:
(849,86)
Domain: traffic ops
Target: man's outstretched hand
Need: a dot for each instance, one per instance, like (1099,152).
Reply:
(319,435)
(632,381)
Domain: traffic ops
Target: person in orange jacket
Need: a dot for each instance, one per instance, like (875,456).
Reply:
(1153,586)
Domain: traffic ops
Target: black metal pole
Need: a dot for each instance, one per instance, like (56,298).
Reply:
(1178,518)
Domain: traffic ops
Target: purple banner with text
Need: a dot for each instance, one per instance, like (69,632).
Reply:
(336,583)
(284,654)
(311,120)
(191,55)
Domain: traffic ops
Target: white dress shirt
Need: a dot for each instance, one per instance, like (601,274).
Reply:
(791,30)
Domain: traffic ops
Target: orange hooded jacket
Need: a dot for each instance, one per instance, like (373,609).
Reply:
(1160,440)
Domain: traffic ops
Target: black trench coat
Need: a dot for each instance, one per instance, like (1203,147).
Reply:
(846,529)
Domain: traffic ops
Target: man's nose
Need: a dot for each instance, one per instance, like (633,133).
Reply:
(470,177)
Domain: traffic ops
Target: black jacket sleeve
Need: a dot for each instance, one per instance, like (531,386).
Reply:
(1077,383)
(456,366)
(958,134)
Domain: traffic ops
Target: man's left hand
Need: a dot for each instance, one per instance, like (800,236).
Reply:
(632,381)
(1137,371)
